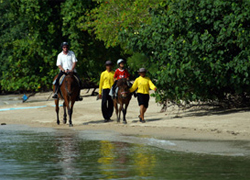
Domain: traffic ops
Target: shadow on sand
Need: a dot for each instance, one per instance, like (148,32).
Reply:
(207,111)
(148,120)
(97,122)
(114,121)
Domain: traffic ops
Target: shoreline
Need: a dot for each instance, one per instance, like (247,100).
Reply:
(170,133)
(191,124)
(183,140)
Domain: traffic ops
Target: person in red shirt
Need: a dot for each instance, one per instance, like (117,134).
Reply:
(120,73)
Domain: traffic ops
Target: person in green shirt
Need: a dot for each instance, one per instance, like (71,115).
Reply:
(143,84)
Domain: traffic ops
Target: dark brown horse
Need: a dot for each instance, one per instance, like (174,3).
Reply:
(68,91)
(123,99)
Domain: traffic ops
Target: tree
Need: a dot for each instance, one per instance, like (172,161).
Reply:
(29,41)
(111,17)
(31,34)
(201,49)
(90,51)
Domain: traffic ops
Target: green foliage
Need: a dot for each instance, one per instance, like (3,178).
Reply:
(91,53)
(31,34)
(138,60)
(29,44)
(194,50)
(112,16)
(201,49)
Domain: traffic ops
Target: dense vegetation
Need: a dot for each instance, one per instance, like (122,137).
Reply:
(31,34)
(194,49)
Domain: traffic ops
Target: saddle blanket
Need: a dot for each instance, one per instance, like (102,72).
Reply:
(111,92)
(62,78)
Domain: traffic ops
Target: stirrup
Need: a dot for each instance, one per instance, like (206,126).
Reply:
(79,98)
(55,96)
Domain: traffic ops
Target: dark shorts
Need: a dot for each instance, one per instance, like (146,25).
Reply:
(143,99)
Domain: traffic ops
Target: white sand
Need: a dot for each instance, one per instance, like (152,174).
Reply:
(193,124)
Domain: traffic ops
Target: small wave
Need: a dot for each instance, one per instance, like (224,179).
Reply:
(163,142)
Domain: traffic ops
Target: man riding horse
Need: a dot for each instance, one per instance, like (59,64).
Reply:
(66,62)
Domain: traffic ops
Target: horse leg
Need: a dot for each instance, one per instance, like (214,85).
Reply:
(124,110)
(116,109)
(119,113)
(64,114)
(70,112)
(57,110)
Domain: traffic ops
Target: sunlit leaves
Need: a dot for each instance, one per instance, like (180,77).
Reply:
(29,41)
(201,49)
(111,17)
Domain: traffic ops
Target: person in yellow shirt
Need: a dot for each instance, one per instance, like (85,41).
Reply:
(106,83)
(143,84)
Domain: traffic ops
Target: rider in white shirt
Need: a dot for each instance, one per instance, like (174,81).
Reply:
(66,62)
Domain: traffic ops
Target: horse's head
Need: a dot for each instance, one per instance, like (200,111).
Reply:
(69,78)
(123,86)
(70,82)
(70,74)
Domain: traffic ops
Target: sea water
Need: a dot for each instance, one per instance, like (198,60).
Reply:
(44,153)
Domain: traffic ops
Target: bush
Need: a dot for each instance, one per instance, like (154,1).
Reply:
(201,49)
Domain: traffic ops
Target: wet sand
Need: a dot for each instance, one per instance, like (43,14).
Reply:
(211,147)
(190,124)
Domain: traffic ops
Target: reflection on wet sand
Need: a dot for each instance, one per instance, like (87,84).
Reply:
(114,155)
(26,154)
(68,151)
(107,159)
(144,160)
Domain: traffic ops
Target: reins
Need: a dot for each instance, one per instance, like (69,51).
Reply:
(66,85)
(123,89)
(124,92)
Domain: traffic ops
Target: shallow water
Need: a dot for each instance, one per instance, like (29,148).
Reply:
(40,153)
(10,99)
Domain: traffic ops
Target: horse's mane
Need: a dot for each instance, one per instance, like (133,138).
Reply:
(122,82)
(70,73)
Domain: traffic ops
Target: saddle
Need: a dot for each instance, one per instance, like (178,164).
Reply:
(62,78)
(114,92)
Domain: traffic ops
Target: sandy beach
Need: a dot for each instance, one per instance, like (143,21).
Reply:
(195,123)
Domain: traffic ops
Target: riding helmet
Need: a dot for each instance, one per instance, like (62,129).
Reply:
(142,70)
(120,61)
(108,63)
(64,44)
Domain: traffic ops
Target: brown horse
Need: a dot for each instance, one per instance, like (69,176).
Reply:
(68,91)
(123,99)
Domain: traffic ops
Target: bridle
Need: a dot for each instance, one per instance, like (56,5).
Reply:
(124,93)
(66,83)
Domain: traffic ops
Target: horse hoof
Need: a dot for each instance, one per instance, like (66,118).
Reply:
(58,123)
(124,122)
(64,122)
(70,125)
